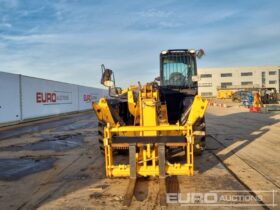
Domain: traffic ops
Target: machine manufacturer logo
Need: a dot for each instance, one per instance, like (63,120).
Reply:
(54,97)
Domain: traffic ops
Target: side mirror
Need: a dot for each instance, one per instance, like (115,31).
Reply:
(199,53)
(107,78)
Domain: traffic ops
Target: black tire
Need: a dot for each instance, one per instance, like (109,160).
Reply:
(101,126)
(199,141)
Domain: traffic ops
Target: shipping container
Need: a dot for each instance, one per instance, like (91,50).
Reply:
(24,97)
(9,97)
(87,95)
(42,97)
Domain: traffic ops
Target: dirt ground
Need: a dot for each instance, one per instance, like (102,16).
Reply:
(57,165)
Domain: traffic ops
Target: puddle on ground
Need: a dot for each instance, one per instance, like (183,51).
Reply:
(56,143)
(90,133)
(13,169)
(77,125)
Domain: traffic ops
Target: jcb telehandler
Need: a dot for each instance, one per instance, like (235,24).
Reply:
(154,122)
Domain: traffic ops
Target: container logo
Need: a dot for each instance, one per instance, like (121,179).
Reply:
(45,97)
(89,98)
(55,97)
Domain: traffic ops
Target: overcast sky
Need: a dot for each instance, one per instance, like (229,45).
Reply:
(69,40)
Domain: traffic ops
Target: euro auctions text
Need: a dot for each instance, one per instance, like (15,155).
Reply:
(221,198)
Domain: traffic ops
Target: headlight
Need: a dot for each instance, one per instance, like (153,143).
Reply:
(192,51)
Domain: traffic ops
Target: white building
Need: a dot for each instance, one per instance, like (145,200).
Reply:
(252,76)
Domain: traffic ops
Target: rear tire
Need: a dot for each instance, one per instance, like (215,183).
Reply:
(199,141)
(101,126)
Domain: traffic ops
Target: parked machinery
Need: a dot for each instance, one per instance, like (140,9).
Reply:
(267,95)
(224,94)
(155,121)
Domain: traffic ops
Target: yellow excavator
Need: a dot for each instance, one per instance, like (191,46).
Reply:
(153,123)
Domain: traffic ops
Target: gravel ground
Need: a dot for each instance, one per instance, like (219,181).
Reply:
(60,167)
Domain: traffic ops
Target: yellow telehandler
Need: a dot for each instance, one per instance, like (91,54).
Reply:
(154,122)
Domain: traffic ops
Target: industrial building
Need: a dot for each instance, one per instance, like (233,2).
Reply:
(211,79)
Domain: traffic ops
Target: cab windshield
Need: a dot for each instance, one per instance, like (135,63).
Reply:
(178,69)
